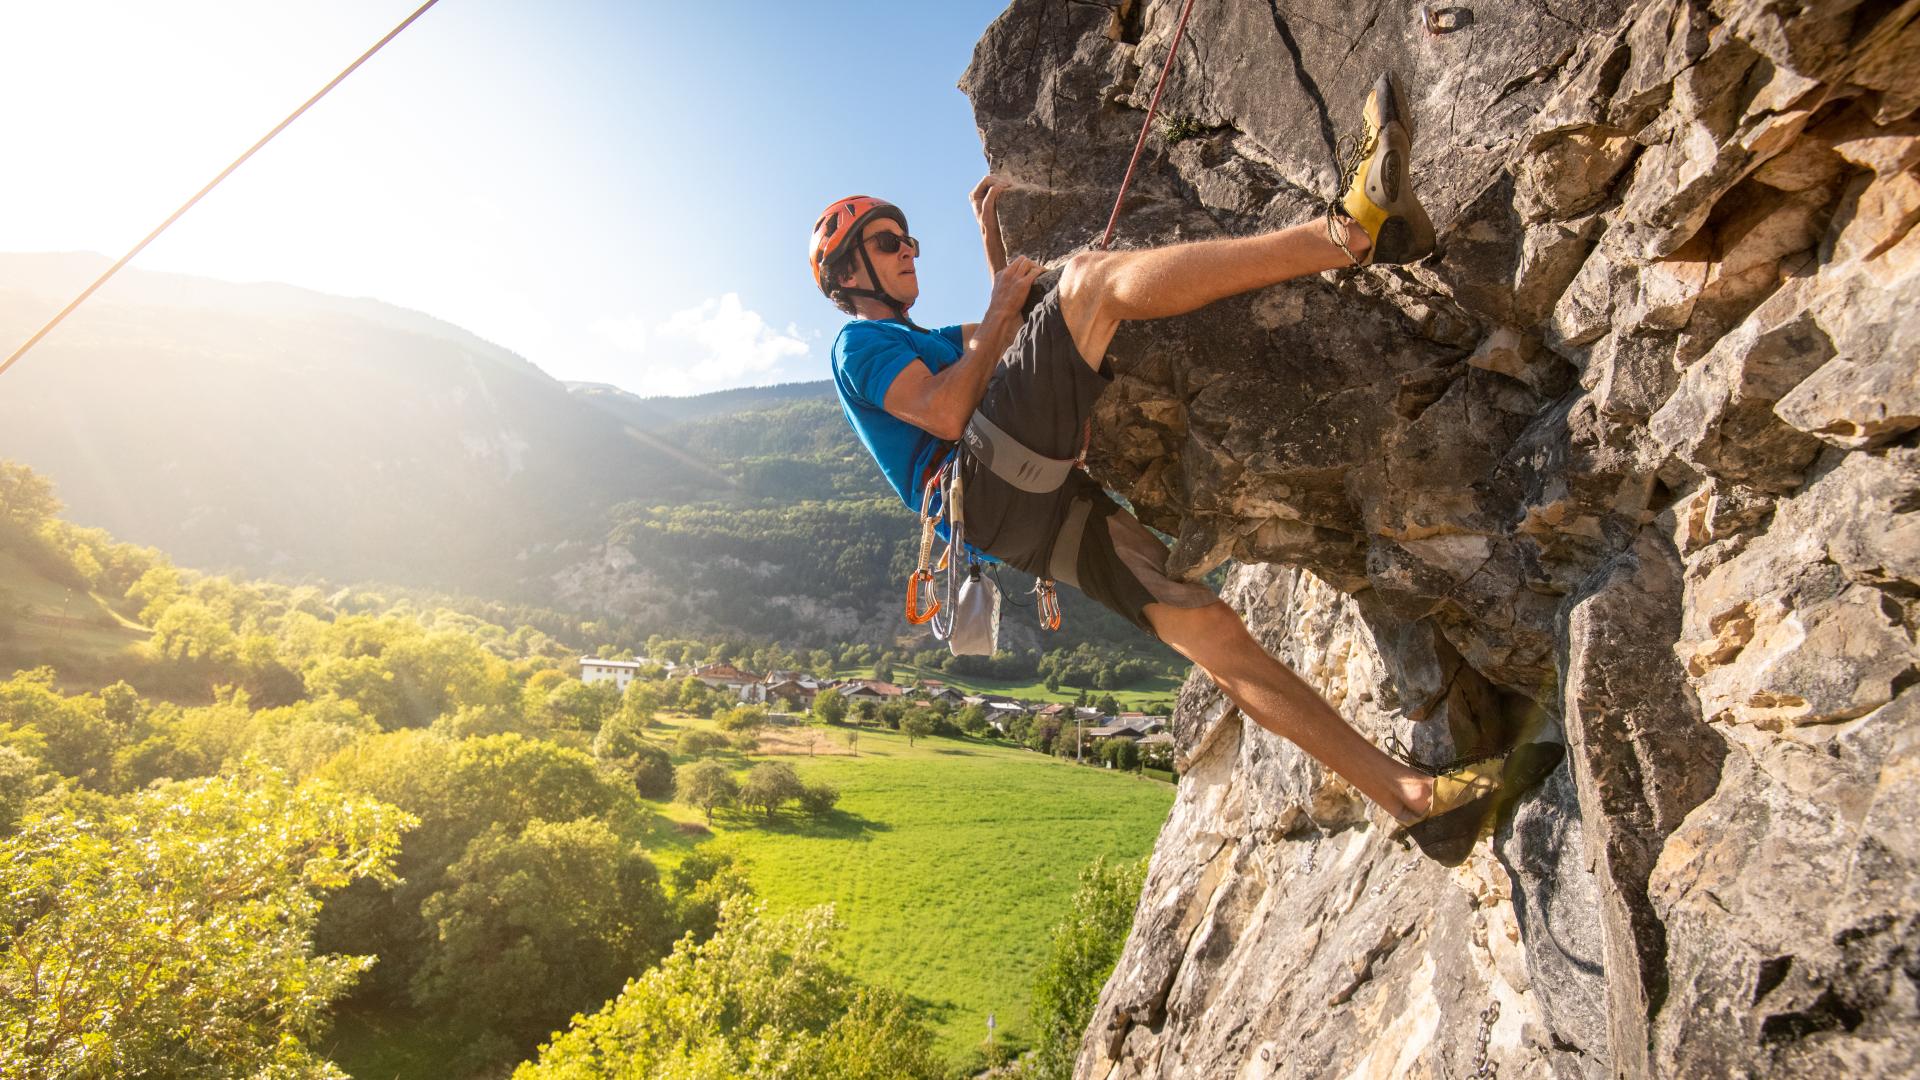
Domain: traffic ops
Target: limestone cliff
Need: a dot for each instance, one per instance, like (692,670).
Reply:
(1634,453)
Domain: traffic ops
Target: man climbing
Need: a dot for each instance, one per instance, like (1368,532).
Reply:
(1010,397)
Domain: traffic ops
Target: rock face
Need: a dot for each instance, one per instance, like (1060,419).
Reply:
(1633,455)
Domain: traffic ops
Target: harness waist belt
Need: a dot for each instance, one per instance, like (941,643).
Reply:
(1012,461)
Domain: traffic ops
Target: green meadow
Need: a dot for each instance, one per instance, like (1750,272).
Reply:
(948,862)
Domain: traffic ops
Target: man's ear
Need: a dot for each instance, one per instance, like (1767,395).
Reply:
(848,278)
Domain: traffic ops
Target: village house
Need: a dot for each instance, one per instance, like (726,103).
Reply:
(619,672)
(869,690)
(742,684)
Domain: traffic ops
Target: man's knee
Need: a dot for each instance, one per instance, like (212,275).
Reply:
(1086,302)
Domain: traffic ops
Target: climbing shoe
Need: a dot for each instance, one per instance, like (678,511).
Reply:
(1469,797)
(1379,186)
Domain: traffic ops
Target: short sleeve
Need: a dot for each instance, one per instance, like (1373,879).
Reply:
(867,359)
(952,333)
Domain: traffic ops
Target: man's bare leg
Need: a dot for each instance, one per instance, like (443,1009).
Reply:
(1101,289)
(1215,639)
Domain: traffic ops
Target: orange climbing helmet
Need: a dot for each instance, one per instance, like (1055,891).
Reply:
(838,226)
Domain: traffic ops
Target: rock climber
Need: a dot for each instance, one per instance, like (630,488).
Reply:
(1017,389)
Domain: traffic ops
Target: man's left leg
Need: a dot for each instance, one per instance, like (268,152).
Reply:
(1271,695)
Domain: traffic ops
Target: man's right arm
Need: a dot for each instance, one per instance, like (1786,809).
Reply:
(941,404)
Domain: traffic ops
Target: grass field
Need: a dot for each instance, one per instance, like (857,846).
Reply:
(948,862)
(56,623)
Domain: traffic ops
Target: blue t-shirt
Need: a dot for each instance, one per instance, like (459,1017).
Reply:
(867,356)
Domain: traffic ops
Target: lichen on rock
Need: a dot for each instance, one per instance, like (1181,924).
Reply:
(1633,455)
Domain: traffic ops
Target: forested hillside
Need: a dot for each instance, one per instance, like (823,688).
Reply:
(278,433)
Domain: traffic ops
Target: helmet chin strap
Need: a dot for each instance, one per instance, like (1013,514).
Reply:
(899,309)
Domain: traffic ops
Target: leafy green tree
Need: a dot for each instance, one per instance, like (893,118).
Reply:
(762,999)
(189,631)
(697,743)
(701,884)
(168,932)
(973,720)
(829,707)
(771,785)
(742,718)
(620,744)
(851,737)
(1085,946)
(582,706)
(916,725)
(707,786)
(26,497)
(534,925)
(70,734)
(458,790)
(21,778)
(1108,705)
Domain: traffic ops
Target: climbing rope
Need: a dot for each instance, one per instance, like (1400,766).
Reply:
(224,173)
(1141,142)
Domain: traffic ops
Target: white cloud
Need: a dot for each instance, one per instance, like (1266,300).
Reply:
(717,345)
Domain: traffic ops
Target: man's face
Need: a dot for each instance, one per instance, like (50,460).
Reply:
(897,278)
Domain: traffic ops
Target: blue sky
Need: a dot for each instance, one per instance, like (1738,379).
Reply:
(620,192)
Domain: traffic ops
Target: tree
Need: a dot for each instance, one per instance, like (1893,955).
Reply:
(26,498)
(1086,944)
(829,707)
(742,718)
(818,800)
(916,725)
(702,883)
(535,925)
(1108,705)
(761,998)
(771,785)
(707,786)
(973,720)
(620,744)
(851,737)
(697,743)
(640,701)
(169,932)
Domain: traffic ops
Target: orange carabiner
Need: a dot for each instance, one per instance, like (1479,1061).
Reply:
(1047,604)
(913,598)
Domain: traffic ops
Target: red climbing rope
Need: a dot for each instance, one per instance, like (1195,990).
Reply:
(1145,125)
(198,195)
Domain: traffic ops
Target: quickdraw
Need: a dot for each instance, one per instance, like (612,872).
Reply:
(923,570)
(1047,600)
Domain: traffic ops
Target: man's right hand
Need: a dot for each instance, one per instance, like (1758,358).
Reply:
(1010,288)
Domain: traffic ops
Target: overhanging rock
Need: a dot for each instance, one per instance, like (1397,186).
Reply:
(1634,453)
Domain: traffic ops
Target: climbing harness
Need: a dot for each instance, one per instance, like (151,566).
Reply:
(202,193)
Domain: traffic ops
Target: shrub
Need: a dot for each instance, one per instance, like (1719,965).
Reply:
(1086,945)
(818,800)
(698,743)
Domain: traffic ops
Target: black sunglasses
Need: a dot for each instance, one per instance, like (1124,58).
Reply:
(889,242)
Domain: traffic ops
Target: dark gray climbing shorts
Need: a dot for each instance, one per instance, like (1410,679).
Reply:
(1042,395)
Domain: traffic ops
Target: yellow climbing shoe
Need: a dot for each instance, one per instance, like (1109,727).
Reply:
(1469,797)
(1379,187)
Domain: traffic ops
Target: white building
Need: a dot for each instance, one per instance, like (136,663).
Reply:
(619,672)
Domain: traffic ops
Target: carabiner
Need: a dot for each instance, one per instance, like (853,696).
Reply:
(915,616)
